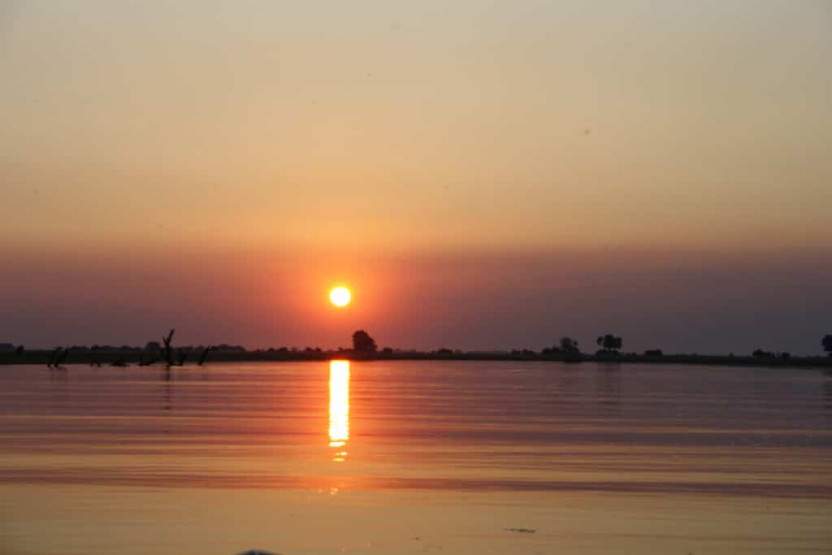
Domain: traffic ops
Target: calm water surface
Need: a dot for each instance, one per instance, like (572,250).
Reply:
(414,457)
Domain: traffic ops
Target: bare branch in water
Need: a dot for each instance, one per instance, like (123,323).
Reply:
(204,355)
(168,348)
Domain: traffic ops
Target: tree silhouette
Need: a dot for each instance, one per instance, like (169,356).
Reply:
(363,343)
(827,344)
(609,342)
(569,345)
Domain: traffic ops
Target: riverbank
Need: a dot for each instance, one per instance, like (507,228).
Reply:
(119,357)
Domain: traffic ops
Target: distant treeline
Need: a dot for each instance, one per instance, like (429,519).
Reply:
(128,358)
(364,348)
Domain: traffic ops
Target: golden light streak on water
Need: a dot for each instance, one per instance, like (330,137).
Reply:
(339,408)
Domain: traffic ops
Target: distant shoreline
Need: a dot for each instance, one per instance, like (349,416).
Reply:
(132,358)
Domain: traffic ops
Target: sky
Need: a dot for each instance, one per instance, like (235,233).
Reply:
(482,174)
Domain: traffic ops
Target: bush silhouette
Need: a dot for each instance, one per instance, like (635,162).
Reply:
(363,343)
(569,345)
(827,344)
(609,343)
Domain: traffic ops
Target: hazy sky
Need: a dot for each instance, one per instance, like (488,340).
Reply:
(482,173)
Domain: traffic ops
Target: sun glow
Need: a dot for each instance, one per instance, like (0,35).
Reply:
(339,408)
(340,296)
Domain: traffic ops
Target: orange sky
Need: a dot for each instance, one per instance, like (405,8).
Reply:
(435,154)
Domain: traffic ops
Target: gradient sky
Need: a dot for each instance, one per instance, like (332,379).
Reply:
(483,174)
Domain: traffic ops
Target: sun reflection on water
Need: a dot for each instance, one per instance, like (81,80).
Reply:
(339,408)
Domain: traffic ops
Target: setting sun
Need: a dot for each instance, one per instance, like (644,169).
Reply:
(340,296)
